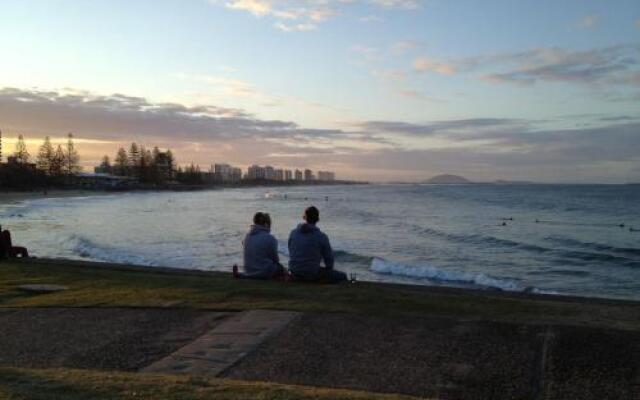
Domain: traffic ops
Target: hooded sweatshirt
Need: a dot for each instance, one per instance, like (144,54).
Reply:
(260,252)
(308,245)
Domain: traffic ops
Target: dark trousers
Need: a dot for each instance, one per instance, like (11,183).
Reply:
(324,276)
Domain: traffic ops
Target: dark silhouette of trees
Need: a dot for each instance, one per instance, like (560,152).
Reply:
(44,160)
(106,162)
(191,175)
(121,163)
(72,159)
(21,154)
(58,162)
(147,166)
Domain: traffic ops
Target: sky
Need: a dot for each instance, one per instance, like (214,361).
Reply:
(379,90)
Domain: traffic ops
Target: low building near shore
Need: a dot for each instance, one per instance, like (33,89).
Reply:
(100,181)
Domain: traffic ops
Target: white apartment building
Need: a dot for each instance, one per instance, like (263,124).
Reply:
(326,176)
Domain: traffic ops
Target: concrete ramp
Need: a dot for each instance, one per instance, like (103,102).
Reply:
(225,345)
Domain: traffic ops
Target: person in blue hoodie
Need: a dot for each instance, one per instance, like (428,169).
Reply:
(261,259)
(308,246)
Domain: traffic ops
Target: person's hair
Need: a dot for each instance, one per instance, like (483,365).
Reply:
(312,215)
(261,218)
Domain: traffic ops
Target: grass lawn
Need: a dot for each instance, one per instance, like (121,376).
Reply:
(70,384)
(118,286)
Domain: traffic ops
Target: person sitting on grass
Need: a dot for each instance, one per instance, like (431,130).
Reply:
(261,259)
(7,249)
(308,246)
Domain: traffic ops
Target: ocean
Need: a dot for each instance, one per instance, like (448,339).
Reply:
(556,239)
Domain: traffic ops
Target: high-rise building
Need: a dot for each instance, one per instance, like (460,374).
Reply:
(326,176)
(236,174)
(308,175)
(298,175)
(226,173)
(279,174)
(269,173)
(288,175)
(255,172)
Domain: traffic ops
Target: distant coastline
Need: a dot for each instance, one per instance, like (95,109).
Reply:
(14,195)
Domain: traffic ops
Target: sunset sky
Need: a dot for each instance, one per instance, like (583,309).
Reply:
(381,90)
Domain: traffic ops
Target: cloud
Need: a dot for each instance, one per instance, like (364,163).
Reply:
(424,64)
(607,65)
(121,117)
(449,128)
(294,27)
(406,4)
(503,147)
(588,22)
(617,65)
(307,14)
(512,149)
(258,8)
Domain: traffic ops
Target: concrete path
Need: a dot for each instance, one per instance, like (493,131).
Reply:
(224,345)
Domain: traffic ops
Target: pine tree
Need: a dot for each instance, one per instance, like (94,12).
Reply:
(58,162)
(170,159)
(21,154)
(72,159)
(122,162)
(134,160)
(45,156)
(146,165)
(105,164)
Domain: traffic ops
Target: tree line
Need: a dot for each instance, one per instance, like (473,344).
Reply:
(51,167)
(147,166)
(53,162)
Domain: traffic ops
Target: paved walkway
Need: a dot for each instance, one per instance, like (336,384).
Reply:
(224,345)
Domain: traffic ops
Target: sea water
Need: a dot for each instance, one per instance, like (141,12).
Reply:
(563,239)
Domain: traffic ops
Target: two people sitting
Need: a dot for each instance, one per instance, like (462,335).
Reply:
(308,248)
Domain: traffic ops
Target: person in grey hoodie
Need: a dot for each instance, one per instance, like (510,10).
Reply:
(308,246)
(261,259)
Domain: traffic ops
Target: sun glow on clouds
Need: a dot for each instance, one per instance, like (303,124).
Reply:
(305,15)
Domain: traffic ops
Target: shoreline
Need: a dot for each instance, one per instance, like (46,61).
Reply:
(12,197)
(16,196)
(416,288)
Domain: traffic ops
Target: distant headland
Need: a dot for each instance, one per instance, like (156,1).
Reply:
(447,179)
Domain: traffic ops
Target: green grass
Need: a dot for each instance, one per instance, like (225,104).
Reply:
(99,287)
(69,384)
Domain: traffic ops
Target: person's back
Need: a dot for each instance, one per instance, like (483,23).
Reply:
(261,259)
(308,247)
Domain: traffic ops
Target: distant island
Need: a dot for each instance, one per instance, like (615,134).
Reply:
(447,179)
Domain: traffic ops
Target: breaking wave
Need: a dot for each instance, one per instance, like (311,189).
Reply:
(438,275)
(85,248)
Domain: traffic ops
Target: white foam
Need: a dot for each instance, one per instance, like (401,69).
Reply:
(86,249)
(436,274)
